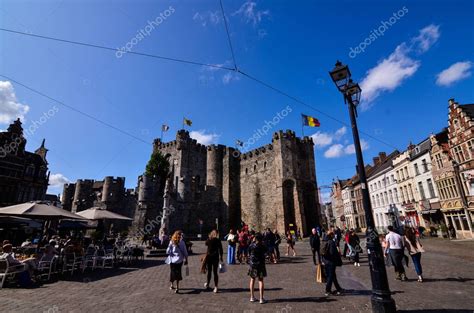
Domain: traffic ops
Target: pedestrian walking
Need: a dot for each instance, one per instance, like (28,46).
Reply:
(269,241)
(177,255)
(231,246)
(354,247)
(346,251)
(290,241)
(331,259)
(415,249)
(243,250)
(315,243)
(257,269)
(214,253)
(277,244)
(395,248)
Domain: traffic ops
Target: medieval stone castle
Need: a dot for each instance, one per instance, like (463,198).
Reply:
(272,186)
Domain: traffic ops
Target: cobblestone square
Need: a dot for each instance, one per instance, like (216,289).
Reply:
(290,287)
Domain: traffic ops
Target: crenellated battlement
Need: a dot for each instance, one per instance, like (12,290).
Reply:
(258,151)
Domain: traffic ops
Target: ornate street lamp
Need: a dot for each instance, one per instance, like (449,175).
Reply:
(382,301)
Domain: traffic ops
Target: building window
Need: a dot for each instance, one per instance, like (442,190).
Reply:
(417,171)
(431,188)
(439,161)
(425,165)
(458,154)
(264,165)
(406,172)
(395,192)
(470,146)
(456,124)
(378,200)
(422,191)
(385,197)
(390,196)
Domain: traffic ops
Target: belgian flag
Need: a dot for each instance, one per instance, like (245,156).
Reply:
(310,121)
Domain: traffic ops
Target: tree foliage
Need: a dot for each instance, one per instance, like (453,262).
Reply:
(158,166)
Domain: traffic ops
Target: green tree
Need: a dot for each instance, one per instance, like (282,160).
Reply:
(158,166)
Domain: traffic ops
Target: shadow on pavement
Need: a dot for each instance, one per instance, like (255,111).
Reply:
(353,292)
(231,290)
(435,311)
(304,299)
(457,279)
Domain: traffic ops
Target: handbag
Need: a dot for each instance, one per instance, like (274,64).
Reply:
(203,264)
(222,268)
(320,274)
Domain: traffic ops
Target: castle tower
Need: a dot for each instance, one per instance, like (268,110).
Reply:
(67,197)
(297,200)
(83,196)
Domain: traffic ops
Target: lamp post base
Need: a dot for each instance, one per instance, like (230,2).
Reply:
(383,304)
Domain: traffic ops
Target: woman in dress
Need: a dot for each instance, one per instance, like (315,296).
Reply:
(177,255)
(291,244)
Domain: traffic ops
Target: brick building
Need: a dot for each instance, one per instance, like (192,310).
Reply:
(24,175)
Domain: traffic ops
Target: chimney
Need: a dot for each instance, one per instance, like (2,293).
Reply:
(376,161)
(383,156)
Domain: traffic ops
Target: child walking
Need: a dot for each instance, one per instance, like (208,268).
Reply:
(257,251)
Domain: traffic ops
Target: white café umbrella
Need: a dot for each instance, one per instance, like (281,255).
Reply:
(97,213)
(38,210)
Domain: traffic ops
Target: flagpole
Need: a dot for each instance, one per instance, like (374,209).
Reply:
(161,137)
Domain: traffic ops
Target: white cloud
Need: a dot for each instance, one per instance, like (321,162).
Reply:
(427,37)
(204,138)
(392,71)
(335,151)
(339,150)
(455,72)
(321,139)
(209,17)
(250,14)
(340,132)
(387,75)
(10,108)
(58,180)
(229,77)
(326,196)
(350,149)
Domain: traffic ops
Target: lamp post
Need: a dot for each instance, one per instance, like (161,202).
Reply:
(381,299)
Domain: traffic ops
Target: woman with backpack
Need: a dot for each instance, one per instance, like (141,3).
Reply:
(257,269)
(177,255)
(331,260)
(354,247)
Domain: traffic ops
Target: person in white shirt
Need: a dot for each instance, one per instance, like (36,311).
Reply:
(395,248)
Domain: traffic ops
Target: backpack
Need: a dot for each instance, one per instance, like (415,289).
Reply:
(324,250)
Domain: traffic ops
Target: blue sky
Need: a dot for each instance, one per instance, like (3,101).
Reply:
(408,73)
